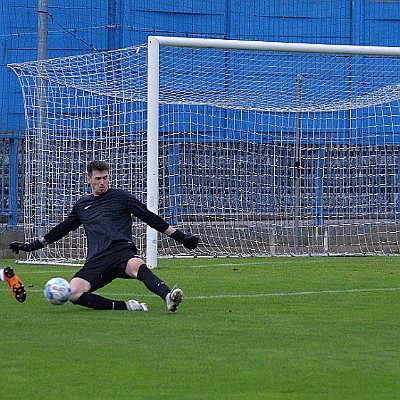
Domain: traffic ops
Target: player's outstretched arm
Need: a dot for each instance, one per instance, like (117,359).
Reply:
(16,247)
(139,210)
(187,239)
(59,231)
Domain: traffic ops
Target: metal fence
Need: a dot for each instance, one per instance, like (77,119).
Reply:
(11,178)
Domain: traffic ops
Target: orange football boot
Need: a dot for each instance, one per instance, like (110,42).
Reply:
(16,286)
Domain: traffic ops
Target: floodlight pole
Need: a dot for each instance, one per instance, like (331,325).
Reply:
(42,29)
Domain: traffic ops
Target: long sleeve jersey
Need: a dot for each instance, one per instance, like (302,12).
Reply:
(107,220)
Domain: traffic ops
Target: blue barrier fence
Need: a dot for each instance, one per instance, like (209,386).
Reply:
(336,180)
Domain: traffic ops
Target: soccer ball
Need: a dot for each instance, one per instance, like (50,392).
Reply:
(57,291)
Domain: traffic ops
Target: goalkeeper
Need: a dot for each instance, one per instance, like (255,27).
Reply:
(106,215)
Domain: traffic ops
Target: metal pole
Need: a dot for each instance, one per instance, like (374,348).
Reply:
(297,166)
(42,126)
(112,25)
(13,182)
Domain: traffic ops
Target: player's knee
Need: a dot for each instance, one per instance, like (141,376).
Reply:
(132,266)
(78,287)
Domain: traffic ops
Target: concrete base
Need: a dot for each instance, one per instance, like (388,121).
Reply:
(7,236)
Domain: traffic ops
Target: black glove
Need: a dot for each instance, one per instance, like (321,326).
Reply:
(17,246)
(187,239)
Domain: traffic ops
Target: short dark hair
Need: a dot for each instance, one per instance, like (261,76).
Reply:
(97,165)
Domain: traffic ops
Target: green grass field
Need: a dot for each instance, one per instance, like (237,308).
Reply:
(256,328)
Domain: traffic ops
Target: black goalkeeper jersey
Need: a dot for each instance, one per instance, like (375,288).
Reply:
(107,220)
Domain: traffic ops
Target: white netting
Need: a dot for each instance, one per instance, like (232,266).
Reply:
(260,152)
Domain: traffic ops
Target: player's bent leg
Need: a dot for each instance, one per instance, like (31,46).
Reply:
(16,286)
(136,268)
(96,302)
(81,296)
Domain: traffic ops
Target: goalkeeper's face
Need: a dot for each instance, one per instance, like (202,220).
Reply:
(99,181)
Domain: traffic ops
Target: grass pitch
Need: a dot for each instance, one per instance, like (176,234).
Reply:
(256,328)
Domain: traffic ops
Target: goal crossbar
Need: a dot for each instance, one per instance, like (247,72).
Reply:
(273,46)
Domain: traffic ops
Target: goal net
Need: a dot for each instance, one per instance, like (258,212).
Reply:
(258,148)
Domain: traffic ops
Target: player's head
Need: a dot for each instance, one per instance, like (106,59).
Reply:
(97,165)
(98,177)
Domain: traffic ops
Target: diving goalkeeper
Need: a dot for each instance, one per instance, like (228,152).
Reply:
(106,215)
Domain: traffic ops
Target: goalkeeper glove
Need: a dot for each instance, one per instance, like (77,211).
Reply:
(187,239)
(17,246)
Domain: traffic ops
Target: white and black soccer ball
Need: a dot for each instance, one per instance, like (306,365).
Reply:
(57,291)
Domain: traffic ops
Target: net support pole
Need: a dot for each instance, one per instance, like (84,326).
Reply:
(42,130)
(297,167)
(152,146)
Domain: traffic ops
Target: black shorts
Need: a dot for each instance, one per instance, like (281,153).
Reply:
(102,271)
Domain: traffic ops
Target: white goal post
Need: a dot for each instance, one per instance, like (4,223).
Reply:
(259,148)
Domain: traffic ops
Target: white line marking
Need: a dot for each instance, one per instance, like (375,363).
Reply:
(217,264)
(234,296)
(248,296)
(60,271)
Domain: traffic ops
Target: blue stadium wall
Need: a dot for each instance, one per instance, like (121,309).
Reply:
(77,27)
